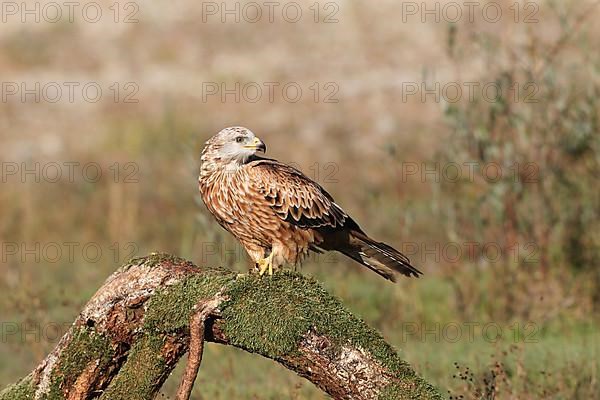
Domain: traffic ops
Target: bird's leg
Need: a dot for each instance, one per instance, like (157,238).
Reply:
(266,264)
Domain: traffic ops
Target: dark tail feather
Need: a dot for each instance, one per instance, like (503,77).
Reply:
(379,257)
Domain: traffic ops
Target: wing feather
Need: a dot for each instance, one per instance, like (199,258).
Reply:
(294,197)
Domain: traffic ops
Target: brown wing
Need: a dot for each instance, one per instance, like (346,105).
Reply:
(294,197)
(304,203)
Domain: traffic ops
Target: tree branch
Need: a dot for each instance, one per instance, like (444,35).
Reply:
(133,331)
(203,310)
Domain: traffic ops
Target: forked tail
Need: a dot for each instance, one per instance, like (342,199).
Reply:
(379,257)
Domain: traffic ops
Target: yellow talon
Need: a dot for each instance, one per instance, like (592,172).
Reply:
(266,264)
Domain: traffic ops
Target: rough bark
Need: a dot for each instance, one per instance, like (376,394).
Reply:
(133,331)
(203,310)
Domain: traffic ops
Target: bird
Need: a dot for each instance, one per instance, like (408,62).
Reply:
(278,214)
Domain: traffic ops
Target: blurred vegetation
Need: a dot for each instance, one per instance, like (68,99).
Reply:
(532,272)
(536,166)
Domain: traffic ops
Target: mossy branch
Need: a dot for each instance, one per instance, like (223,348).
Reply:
(134,330)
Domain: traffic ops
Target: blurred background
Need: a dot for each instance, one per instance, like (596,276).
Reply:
(465,136)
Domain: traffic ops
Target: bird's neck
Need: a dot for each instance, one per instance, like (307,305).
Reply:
(212,167)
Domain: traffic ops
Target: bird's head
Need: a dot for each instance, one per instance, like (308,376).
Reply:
(234,144)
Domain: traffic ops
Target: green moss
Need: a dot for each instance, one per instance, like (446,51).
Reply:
(271,315)
(86,346)
(21,390)
(170,309)
(409,392)
(155,259)
(141,372)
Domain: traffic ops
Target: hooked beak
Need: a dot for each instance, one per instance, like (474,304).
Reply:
(257,145)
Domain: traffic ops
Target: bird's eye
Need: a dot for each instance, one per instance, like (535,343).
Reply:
(239,139)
